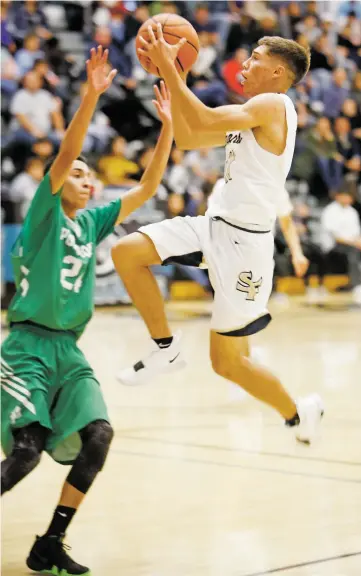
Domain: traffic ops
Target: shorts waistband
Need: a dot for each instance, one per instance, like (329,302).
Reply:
(40,330)
(250,230)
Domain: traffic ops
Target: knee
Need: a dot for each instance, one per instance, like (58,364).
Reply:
(217,364)
(222,366)
(120,254)
(97,438)
(98,433)
(28,454)
(226,366)
(126,253)
(134,251)
(105,434)
(22,460)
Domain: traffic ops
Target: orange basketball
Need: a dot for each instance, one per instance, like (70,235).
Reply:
(174,28)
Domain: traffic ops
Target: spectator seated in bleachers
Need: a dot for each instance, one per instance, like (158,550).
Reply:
(29,54)
(232,71)
(29,17)
(331,94)
(100,131)
(317,155)
(355,93)
(25,184)
(341,235)
(35,113)
(43,149)
(203,22)
(177,176)
(206,75)
(10,74)
(115,169)
(351,111)
(302,216)
(51,82)
(349,153)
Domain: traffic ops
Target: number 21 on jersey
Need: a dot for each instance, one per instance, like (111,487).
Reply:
(69,277)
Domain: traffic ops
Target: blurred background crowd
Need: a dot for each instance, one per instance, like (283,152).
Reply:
(44,46)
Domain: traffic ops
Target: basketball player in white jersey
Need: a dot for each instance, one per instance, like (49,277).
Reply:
(235,236)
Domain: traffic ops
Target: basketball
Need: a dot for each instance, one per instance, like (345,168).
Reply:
(174,28)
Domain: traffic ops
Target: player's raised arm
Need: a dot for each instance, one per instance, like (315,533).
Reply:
(98,81)
(200,118)
(153,174)
(187,138)
(278,62)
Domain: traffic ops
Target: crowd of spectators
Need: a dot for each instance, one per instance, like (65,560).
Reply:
(44,46)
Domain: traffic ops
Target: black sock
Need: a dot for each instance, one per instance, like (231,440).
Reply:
(61,520)
(163,342)
(293,421)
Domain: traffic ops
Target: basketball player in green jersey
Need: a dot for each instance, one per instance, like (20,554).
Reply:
(51,399)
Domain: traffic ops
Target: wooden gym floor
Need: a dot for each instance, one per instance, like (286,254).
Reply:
(201,479)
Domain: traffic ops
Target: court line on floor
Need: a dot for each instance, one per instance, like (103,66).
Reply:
(239,450)
(226,409)
(240,466)
(302,564)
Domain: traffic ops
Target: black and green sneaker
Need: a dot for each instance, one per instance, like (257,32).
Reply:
(48,556)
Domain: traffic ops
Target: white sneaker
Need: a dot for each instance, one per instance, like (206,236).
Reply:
(311,295)
(159,361)
(310,410)
(322,294)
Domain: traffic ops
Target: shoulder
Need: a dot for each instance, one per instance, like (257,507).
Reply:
(353,211)
(45,95)
(266,106)
(266,100)
(20,95)
(21,179)
(85,219)
(327,211)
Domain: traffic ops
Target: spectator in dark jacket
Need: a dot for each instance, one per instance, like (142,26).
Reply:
(29,17)
(321,56)
(347,147)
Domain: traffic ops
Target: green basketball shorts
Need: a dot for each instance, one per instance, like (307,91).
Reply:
(46,378)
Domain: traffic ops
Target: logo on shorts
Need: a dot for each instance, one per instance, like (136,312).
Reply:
(247,285)
(231,156)
(15,414)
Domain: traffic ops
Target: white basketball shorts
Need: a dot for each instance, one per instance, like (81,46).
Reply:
(240,264)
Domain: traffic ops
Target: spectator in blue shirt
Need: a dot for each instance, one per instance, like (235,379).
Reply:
(29,54)
(333,94)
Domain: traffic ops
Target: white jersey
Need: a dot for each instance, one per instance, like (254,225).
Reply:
(254,192)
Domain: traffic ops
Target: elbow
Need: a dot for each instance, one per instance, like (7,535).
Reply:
(146,190)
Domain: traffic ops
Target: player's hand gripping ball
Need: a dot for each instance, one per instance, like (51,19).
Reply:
(174,28)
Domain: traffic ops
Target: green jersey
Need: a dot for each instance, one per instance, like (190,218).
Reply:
(54,262)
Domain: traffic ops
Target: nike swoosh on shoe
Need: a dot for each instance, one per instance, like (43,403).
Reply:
(175,358)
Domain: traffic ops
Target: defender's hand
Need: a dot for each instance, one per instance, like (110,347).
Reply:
(157,49)
(98,78)
(162,103)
